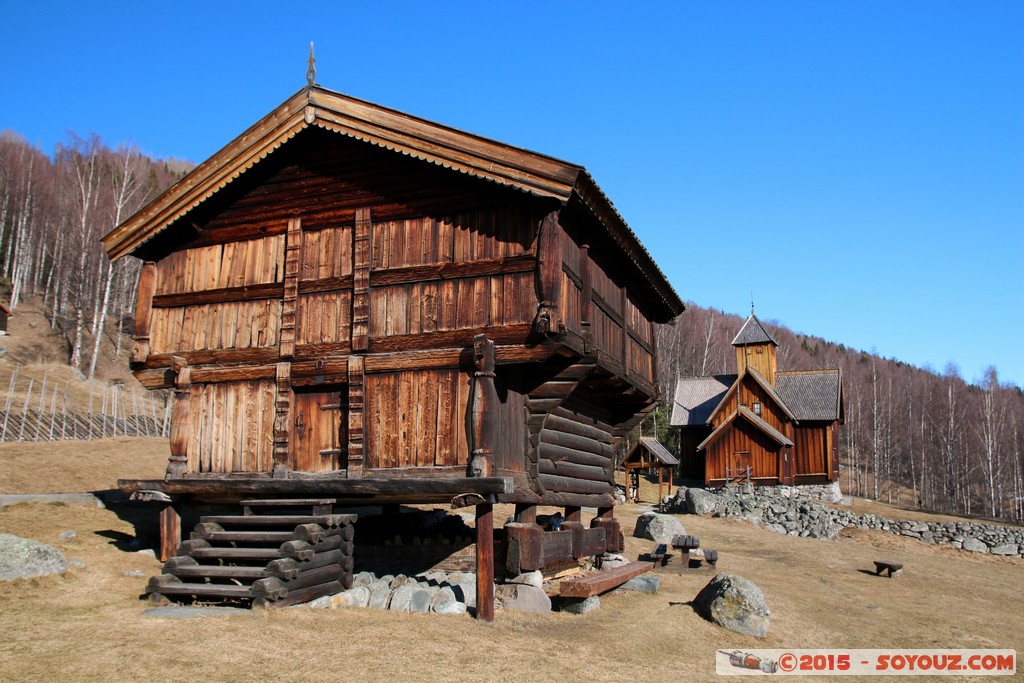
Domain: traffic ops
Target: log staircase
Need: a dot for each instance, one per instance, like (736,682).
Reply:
(296,552)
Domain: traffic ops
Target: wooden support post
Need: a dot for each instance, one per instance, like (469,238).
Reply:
(614,543)
(483,409)
(361,281)
(485,562)
(177,463)
(526,513)
(573,522)
(144,313)
(170,530)
(549,277)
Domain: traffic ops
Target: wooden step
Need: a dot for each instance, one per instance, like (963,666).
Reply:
(326,521)
(601,581)
(202,589)
(220,572)
(239,553)
(273,537)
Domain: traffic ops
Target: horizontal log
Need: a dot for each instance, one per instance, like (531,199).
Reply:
(269,290)
(552,482)
(574,471)
(291,565)
(586,428)
(290,521)
(292,548)
(507,334)
(423,489)
(247,553)
(242,536)
(453,270)
(554,389)
(223,590)
(575,442)
(559,499)
(274,588)
(556,453)
(218,572)
(582,420)
(301,595)
(601,581)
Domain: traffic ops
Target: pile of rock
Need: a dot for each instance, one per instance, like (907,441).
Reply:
(433,591)
(787,510)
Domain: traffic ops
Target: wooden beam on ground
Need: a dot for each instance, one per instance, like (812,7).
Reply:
(602,581)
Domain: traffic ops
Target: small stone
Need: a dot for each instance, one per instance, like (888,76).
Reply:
(146,552)
(363,579)
(646,583)
(534,578)
(974,545)
(379,594)
(579,605)
(22,558)
(135,573)
(420,601)
(67,535)
(1005,549)
(401,597)
(657,527)
(357,596)
(76,563)
(613,560)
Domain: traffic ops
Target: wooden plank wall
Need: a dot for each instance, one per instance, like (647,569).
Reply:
(416,418)
(810,446)
(226,325)
(764,452)
(231,426)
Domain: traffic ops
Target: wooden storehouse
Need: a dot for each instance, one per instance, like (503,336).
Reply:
(358,305)
(648,453)
(760,425)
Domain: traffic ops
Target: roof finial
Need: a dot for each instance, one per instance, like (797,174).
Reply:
(751,303)
(311,69)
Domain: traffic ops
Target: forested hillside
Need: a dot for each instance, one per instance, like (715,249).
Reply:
(53,212)
(911,436)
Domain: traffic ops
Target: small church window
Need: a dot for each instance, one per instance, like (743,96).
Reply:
(757,408)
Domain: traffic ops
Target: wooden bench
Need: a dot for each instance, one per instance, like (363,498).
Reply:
(684,544)
(711,557)
(601,581)
(659,554)
(892,569)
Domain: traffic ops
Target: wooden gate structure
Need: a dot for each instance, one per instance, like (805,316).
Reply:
(354,303)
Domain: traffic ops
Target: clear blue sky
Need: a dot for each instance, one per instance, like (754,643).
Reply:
(857,165)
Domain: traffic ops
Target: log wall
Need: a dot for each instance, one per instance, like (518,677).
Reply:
(743,438)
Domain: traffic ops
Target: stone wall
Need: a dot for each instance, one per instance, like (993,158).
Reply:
(791,511)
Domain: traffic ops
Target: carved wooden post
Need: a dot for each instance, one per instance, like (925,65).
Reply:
(144,313)
(282,419)
(289,306)
(180,418)
(484,409)
(361,281)
(485,562)
(574,523)
(549,276)
(356,442)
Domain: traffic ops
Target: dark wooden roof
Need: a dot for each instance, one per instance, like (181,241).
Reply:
(480,157)
(753,332)
(653,447)
(812,394)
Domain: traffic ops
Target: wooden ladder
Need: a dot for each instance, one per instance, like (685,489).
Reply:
(297,552)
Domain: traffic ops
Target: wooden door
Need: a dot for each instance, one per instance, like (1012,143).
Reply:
(739,466)
(319,436)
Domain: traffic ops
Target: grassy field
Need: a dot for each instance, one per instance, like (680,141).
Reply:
(88,625)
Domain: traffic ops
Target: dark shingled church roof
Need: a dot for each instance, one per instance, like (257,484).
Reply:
(753,332)
(812,394)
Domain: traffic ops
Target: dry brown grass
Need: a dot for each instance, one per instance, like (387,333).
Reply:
(88,625)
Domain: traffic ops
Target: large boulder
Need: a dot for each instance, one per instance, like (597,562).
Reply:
(21,558)
(701,502)
(734,603)
(657,527)
(974,545)
(522,598)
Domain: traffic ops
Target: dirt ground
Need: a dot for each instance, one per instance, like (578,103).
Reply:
(88,624)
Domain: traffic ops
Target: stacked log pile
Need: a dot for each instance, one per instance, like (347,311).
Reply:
(262,560)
